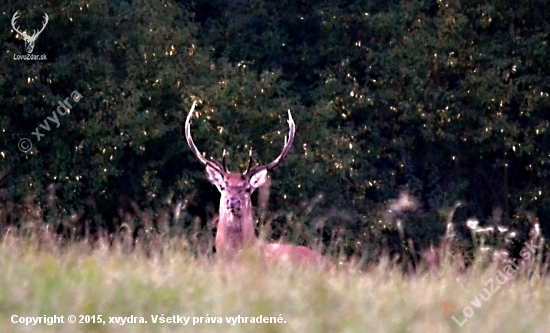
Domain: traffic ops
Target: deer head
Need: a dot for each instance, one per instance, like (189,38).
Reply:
(236,225)
(29,40)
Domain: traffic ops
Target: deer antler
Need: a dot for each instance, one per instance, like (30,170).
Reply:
(24,33)
(43,26)
(14,18)
(194,149)
(284,152)
(222,167)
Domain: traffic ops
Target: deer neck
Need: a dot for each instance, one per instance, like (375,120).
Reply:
(235,230)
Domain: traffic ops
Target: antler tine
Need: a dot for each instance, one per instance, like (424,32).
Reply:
(223,161)
(286,147)
(191,144)
(249,161)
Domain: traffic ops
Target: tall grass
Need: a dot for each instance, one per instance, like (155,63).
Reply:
(38,279)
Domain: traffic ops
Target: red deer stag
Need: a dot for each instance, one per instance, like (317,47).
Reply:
(236,225)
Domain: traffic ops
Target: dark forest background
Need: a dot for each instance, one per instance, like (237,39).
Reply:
(446,99)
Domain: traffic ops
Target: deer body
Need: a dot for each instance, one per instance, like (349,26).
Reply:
(236,224)
(297,254)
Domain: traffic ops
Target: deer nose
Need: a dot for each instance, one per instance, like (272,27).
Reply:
(234,203)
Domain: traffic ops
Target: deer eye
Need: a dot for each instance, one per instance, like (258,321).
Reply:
(248,189)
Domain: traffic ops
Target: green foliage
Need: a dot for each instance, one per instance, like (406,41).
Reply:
(448,99)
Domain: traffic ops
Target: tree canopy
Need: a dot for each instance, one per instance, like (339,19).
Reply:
(447,99)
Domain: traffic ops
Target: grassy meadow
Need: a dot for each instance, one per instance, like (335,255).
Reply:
(44,279)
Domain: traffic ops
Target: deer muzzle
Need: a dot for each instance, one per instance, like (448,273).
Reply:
(234,204)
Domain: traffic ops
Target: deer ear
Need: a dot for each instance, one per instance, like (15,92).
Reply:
(258,179)
(214,176)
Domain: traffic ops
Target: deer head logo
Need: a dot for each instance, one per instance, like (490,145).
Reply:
(29,40)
